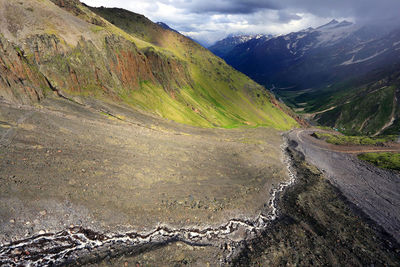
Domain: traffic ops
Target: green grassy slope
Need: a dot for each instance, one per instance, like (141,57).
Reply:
(370,108)
(116,55)
(217,95)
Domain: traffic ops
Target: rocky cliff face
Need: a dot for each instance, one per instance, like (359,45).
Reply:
(20,82)
(117,64)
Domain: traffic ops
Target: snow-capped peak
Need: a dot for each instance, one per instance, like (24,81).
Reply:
(330,24)
(334,31)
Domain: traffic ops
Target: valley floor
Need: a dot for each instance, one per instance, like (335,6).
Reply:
(375,191)
(105,185)
(113,170)
(317,226)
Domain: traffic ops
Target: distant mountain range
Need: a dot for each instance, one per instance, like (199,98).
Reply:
(223,47)
(312,57)
(311,68)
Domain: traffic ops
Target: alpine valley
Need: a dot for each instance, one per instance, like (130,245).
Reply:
(125,143)
(342,74)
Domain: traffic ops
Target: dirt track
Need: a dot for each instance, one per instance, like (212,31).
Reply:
(305,136)
(374,190)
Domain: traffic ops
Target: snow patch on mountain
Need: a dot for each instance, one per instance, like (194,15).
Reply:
(351,61)
(323,36)
(356,50)
(332,35)
(301,36)
(348,62)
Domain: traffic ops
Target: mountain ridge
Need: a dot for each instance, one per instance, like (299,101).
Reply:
(82,53)
(222,47)
(166,27)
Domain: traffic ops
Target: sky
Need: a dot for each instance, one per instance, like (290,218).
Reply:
(208,21)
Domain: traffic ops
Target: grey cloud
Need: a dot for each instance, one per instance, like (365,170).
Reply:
(285,16)
(228,6)
(214,19)
(359,9)
(187,28)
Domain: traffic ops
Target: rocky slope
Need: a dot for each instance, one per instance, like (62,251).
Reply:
(116,55)
(20,81)
(123,173)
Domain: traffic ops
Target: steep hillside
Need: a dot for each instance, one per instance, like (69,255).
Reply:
(20,81)
(364,107)
(166,27)
(116,55)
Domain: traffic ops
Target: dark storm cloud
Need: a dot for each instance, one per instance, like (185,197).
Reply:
(210,20)
(228,6)
(362,10)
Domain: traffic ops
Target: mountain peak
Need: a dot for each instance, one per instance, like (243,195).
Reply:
(344,23)
(330,24)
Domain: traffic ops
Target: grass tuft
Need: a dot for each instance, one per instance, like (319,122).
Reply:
(383,160)
(337,139)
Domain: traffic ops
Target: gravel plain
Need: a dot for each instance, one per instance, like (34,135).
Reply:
(111,169)
(375,191)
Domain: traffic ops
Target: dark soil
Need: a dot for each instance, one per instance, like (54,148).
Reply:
(318,226)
